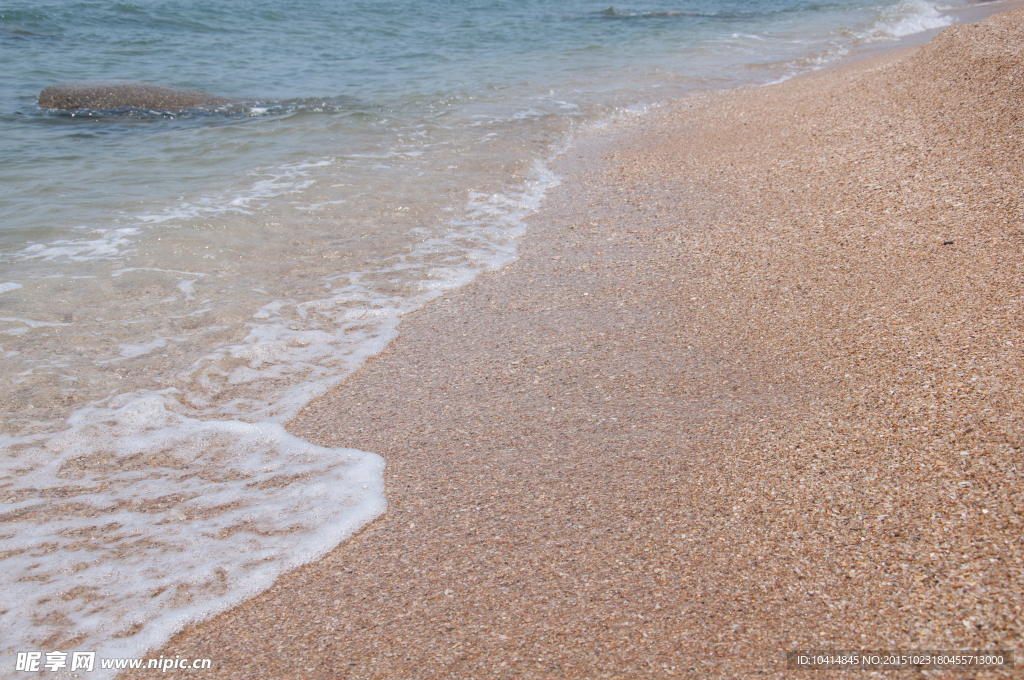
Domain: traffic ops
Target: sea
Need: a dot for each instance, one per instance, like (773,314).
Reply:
(176,285)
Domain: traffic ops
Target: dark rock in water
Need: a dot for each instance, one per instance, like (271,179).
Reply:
(118,94)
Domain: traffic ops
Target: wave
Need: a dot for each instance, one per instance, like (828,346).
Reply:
(906,18)
(236,111)
(612,12)
(158,507)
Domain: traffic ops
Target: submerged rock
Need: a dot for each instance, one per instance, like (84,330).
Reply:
(117,94)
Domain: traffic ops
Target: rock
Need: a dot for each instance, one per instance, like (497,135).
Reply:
(117,94)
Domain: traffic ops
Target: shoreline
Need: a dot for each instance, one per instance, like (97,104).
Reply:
(714,413)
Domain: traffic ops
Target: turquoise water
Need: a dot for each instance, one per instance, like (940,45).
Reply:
(340,74)
(174,286)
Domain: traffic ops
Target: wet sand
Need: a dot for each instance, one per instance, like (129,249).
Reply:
(755,385)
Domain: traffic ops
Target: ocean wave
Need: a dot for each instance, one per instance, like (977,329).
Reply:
(159,507)
(729,15)
(237,110)
(161,519)
(905,18)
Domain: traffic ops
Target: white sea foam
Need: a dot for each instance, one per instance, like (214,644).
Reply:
(157,507)
(900,20)
(270,183)
(907,18)
(136,520)
(111,243)
(100,244)
(315,343)
(9,286)
(130,351)
(126,270)
(31,323)
(318,206)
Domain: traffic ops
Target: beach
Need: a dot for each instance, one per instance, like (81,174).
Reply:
(754,385)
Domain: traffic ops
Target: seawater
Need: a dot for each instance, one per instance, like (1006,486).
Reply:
(175,286)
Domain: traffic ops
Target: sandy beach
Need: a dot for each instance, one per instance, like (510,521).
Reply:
(755,385)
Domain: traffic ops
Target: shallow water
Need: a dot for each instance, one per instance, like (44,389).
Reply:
(175,286)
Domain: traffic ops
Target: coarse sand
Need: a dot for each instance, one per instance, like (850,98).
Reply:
(755,385)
